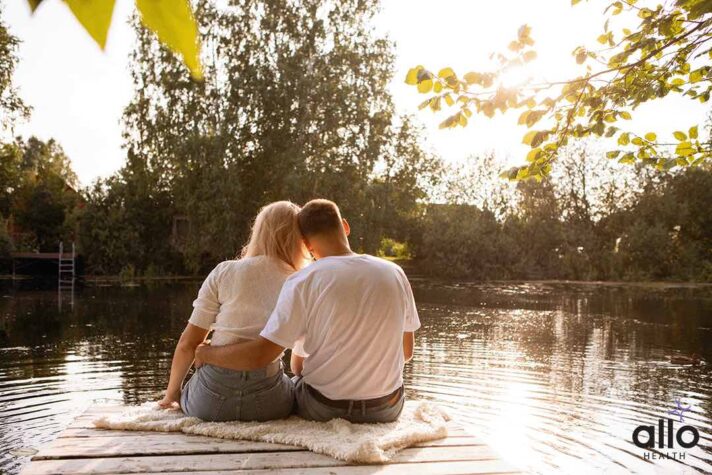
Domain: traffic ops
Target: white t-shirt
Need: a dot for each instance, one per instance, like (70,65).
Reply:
(238,297)
(346,315)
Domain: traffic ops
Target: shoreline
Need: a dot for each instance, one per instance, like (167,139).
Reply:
(93,280)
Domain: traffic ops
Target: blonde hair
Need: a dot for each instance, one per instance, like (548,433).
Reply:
(275,233)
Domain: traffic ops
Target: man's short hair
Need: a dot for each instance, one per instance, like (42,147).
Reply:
(319,217)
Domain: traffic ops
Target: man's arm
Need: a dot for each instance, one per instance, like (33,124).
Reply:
(408,344)
(247,356)
(296,364)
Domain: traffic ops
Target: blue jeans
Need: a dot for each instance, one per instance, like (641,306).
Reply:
(218,394)
(310,408)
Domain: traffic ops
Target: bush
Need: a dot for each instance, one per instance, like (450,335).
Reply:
(393,249)
(127,274)
(6,244)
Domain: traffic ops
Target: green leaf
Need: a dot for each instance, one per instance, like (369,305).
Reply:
(529,56)
(34,4)
(462,120)
(613,153)
(534,117)
(684,149)
(472,78)
(437,87)
(529,137)
(624,139)
(680,135)
(425,86)
(173,23)
(449,100)
(693,132)
(628,158)
(523,117)
(95,17)
(625,115)
(696,75)
(699,8)
(446,73)
(538,138)
(524,31)
(412,77)
(435,104)
(581,56)
(651,137)
(533,154)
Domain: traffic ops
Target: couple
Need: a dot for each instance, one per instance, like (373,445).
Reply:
(348,318)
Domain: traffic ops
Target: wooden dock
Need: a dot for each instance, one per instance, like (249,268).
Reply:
(82,449)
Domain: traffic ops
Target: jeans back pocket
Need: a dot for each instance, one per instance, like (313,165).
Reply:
(202,401)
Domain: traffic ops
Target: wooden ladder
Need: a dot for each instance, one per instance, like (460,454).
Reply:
(66,274)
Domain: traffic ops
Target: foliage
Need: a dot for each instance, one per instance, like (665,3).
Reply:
(393,249)
(127,274)
(127,221)
(170,20)
(260,128)
(6,244)
(667,53)
(461,241)
(11,106)
(589,220)
(36,190)
(471,182)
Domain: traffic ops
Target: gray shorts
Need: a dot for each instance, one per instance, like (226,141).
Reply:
(310,408)
(218,394)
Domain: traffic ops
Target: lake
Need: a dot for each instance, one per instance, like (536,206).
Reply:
(555,376)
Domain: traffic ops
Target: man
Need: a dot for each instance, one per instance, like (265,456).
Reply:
(349,319)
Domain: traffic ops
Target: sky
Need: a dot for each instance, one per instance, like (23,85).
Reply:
(78,92)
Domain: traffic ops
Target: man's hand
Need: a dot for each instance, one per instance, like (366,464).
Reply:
(245,356)
(200,354)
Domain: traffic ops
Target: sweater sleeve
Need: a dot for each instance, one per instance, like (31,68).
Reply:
(207,305)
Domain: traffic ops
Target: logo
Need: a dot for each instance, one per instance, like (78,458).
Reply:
(664,443)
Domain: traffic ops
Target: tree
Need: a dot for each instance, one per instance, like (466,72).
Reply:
(127,223)
(261,128)
(11,106)
(39,191)
(665,54)
(471,182)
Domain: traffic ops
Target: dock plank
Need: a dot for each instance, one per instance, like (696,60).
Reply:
(152,444)
(242,461)
(474,467)
(84,449)
(155,443)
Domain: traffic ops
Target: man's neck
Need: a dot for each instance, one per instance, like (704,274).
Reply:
(341,250)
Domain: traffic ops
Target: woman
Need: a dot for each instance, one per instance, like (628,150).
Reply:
(236,300)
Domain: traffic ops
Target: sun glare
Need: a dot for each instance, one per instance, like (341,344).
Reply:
(515,77)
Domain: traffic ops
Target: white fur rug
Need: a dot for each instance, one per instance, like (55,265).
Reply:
(420,421)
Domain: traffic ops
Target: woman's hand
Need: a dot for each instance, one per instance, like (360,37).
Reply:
(170,401)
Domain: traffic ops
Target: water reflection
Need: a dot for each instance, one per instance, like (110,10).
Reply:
(555,376)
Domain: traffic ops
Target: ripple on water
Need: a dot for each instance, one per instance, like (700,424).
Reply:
(554,377)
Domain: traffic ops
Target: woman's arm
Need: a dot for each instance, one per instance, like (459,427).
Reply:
(296,363)
(183,357)
(408,344)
